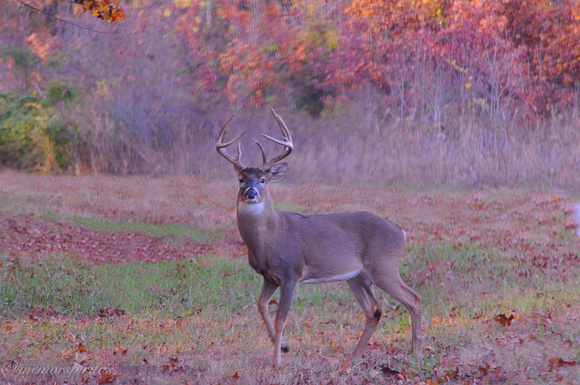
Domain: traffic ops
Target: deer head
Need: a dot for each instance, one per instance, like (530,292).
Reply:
(254,180)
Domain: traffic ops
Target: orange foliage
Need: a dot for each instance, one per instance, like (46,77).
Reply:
(40,44)
(107,10)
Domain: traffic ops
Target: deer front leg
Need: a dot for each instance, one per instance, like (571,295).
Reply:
(268,290)
(286,296)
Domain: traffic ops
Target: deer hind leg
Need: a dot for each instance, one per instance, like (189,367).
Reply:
(268,290)
(397,289)
(361,288)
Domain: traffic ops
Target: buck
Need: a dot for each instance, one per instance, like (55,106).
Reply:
(288,248)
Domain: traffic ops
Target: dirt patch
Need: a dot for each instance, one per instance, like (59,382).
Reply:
(35,236)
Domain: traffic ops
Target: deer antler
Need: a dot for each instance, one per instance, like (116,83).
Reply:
(261,150)
(221,146)
(287,143)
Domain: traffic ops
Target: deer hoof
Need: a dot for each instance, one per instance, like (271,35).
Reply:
(285,347)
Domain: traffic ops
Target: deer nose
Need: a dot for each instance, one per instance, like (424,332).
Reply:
(251,194)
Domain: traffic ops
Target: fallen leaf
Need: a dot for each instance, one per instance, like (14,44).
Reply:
(387,370)
(484,369)
(107,377)
(503,319)
(451,375)
(453,312)
(119,350)
(108,312)
(558,363)
(81,348)
(70,337)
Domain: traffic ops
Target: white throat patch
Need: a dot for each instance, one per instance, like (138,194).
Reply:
(250,208)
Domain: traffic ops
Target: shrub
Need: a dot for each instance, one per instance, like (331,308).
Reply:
(32,135)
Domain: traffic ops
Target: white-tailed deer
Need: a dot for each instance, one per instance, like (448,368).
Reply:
(287,248)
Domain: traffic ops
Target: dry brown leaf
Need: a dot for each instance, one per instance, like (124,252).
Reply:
(107,377)
(503,319)
(559,362)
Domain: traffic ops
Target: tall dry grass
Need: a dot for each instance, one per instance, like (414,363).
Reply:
(351,148)
(466,153)
(355,147)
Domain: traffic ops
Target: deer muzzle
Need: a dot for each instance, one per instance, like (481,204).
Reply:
(251,194)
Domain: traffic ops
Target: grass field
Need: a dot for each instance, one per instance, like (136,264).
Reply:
(142,280)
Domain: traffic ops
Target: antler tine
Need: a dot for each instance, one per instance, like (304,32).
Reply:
(285,131)
(221,146)
(287,142)
(239,157)
(261,150)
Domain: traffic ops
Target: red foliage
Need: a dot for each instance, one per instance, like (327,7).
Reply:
(510,59)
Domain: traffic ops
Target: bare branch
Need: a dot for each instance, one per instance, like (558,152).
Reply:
(36,9)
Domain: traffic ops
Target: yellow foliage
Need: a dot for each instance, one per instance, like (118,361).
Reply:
(103,87)
(182,3)
(35,76)
(480,101)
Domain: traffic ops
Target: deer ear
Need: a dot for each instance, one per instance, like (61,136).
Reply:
(238,169)
(277,171)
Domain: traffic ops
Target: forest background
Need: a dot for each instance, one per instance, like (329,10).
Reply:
(407,92)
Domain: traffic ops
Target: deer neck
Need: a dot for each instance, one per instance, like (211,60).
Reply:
(256,221)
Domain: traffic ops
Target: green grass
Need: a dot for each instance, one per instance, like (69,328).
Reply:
(74,288)
(176,230)
(179,288)
(63,285)
(168,289)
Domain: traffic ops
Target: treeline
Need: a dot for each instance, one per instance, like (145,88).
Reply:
(412,91)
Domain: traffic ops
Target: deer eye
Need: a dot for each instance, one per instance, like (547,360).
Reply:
(263,180)
(241,181)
